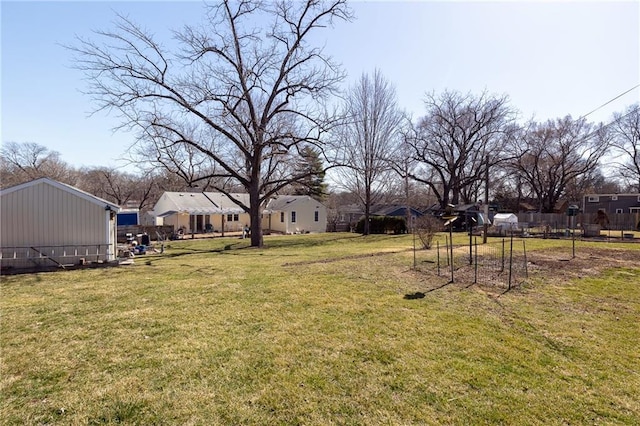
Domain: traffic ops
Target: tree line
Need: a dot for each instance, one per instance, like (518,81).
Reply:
(247,102)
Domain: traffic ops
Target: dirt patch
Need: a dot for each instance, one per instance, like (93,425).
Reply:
(495,276)
(559,264)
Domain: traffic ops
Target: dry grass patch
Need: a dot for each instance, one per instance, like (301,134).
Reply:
(315,329)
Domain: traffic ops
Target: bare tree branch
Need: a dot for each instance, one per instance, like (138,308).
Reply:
(231,102)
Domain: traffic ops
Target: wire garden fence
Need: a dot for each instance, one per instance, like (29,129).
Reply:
(501,263)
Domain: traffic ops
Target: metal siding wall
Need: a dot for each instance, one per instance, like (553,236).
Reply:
(8,213)
(44,215)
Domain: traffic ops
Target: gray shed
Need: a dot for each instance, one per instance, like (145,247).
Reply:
(48,223)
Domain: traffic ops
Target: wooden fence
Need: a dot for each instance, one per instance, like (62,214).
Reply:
(164,232)
(557,222)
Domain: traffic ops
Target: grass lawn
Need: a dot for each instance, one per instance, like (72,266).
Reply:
(317,330)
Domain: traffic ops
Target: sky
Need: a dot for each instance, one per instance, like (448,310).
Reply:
(551,58)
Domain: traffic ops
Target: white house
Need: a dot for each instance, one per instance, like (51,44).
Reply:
(200,212)
(292,214)
(48,223)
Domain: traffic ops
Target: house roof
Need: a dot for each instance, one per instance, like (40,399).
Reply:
(395,210)
(189,202)
(282,202)
(64,187)
(219,203)
(202,203)
(225,203)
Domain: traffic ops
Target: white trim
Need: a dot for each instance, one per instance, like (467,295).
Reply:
(614,198)
(593,199)
(109,240)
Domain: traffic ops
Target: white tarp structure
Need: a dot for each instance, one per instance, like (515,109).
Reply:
(505,221)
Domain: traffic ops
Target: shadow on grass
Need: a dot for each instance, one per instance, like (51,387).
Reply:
(308,242)
(271,244)
(421,295)
(416,295)
(189,252)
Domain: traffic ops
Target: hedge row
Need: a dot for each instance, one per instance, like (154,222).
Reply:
(383,225)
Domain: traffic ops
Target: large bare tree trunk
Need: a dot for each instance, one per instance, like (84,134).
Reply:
(235,103)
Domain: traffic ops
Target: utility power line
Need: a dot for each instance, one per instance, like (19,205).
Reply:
(608,102)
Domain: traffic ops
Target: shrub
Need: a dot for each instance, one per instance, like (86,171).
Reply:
(383,225)
(426,227)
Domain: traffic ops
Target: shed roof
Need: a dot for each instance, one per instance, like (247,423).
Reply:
(64,187)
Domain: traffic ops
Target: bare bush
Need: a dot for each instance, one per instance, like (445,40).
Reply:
(426,228)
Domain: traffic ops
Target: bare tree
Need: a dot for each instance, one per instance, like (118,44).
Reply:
(108,183)
(550,157)
(23,162)
(625,131)
(238,97)
(368,139)
(454,139)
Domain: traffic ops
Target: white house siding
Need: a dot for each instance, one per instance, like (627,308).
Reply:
(56,222)
(304,208)
(183,210)
(230,226)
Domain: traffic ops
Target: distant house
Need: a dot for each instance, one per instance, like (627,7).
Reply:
(48,223)
(396,211)
(611,203)
(201,212)
(291,214)
(349,215)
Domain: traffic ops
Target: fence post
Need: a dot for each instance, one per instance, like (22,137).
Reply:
(475,274)
(470,228)
(438,255)
(502,268)
(446,247)
(526,266)
(413,229)
(451,248)
(510,260)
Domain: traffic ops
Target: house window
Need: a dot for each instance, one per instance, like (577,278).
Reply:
(233,217)
(618,211)
(316,216)
(614,198)
(282,217)
(293,217)
(594,199)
